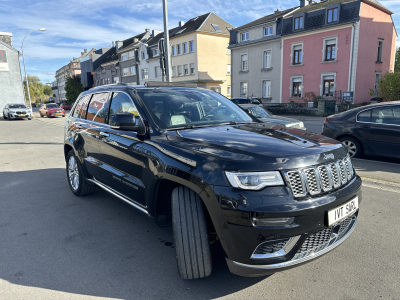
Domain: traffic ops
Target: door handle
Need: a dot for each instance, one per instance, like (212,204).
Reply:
(104,134)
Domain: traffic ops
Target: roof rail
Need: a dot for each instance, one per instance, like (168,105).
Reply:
(171,84)
(111,84)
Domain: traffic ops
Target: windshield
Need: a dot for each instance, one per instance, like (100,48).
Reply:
(258,111)
(177,108)
(17,106)
(53,105)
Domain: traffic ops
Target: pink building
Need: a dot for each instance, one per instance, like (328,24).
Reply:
(336,46)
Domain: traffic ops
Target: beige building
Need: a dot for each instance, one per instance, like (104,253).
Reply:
(200,53)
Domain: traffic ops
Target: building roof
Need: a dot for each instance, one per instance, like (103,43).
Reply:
(111,55)
(132,40)
(8,46)
(268,18)
(378,4)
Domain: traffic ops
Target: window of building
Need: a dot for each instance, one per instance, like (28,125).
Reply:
(268,31)
(116,79)
(125,71)
(297,54)
(186,69)
(244,62)
(228,51)
(145,74)
(179,49)
(180,71)
(377,79)
(131,54)
(328,86)
(180,31)
(157,72)
(379,57)
(216,89)
(296,87)
(156,52)
(243,89)
(185,48)
(173,51)
(330,50)
(228,69)
(143,55)
(266,89)
(244,36)
(191,46)
(267,59)
(124,56)
(228,90)
(216,27)
(133,70)
(173,71)
(332,15)
(192,69)
(298,23)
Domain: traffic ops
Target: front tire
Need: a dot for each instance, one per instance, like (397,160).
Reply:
(192,245)
(4,116)
(354,147)
(76,180)
(9,117)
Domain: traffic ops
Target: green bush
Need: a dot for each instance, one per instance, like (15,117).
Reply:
(389,87)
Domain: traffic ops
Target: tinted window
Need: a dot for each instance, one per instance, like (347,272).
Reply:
(81,107)
(364,116)
(396,115)
(383,115)
(98,108)
(258,112)
(122,103)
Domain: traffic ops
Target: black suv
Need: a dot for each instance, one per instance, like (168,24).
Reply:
(274,197)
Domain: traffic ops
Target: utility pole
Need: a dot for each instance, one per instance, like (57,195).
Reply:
(166,44)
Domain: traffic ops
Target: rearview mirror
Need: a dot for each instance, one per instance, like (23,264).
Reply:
(127,121)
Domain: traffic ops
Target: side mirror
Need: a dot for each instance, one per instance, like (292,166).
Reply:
(127,121)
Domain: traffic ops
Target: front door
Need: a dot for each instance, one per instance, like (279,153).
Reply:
(121,153)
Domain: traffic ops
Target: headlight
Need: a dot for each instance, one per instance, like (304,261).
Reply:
(254,180)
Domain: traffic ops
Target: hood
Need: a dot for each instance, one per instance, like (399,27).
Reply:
(260,146)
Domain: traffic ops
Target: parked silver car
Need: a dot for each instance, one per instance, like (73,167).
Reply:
(16,111)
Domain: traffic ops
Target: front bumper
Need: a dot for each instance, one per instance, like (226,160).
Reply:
(241,238)
(20,116)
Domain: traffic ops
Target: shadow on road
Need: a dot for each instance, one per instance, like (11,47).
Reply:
(94,245)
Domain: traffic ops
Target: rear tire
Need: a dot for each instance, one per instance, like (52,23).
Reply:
(41,115)
(354,147)
(76,179)
(192,245)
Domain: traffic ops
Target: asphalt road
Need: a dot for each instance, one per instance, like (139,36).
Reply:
(54,245)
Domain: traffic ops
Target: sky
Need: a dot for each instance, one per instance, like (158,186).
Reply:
(74,25)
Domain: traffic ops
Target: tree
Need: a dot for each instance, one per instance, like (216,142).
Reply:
(47,90)
(35,88)
(397,61)
(73,87)
(389,87)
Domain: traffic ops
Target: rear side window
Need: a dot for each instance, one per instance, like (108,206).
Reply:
(81,107)
(365,116)
(122,103)
(384,116)
(98,108)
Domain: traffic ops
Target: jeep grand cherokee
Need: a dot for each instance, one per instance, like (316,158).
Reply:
(275,197)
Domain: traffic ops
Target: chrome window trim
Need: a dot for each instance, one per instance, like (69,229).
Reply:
(285,249)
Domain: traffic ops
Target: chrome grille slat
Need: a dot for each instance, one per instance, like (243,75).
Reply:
(320,179)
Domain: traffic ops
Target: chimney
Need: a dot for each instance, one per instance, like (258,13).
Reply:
(305,2)
(6,37)
(155,32)
(147,30)
(118,44)
(181,23)
(113,44)
(277,11)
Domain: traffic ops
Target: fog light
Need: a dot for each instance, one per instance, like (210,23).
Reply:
(261,221)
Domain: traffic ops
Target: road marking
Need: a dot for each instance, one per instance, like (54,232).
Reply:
(381,184)
(46,122)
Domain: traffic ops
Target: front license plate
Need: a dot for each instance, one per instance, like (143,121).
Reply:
(58,113)
(342,212)
(22,115)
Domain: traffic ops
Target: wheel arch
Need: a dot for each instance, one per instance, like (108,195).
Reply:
(353,137)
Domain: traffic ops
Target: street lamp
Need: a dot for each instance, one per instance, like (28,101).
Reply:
(23,59)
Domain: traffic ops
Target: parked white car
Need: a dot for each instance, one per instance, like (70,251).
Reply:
(16,111)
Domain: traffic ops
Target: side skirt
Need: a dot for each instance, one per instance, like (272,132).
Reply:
(122,197)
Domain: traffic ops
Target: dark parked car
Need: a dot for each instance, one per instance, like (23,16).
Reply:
(274,197)
(371,130)
(247,101)
(266,116)
(33,104)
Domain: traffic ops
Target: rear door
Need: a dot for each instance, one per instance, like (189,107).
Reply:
(122,153)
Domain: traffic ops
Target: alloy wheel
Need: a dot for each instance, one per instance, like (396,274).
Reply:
(73,173)
(351,147)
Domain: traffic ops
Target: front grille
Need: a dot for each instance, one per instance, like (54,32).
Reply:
(326,237)
(320,179)
(271,247)
(20,112)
